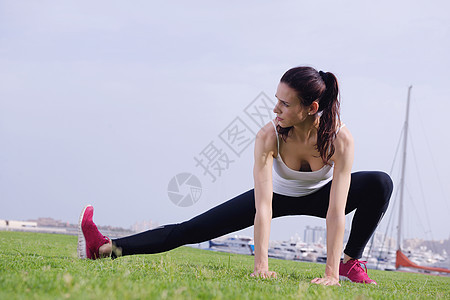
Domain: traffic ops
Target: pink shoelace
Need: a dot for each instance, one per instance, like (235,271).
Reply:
(358,263)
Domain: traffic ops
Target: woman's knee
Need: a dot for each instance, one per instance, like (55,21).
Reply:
(373,184)
(381,185)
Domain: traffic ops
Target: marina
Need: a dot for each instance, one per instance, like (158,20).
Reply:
(379,258)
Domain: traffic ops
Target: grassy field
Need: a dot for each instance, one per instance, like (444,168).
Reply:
(45,266)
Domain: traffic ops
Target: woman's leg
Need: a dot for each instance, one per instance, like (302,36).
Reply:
(370,197)
(235,214)
(230,216)
(369,194)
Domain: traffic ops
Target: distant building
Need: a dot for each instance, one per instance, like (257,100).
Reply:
(315,235)
(17,224)
(144,226)
(318,235)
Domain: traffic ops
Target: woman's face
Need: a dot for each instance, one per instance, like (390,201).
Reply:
(288,109)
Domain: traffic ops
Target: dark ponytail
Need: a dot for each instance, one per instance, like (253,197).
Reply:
(322,87)
(330,118)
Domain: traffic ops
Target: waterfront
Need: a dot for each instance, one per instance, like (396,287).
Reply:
(379,254)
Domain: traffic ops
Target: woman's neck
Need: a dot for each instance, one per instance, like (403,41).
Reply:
(307,129)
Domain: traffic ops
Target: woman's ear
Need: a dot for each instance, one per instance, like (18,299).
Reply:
(313,108)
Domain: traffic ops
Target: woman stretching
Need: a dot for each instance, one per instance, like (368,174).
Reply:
(303,161)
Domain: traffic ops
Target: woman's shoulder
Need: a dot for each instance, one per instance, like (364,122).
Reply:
(267,130)
(267,137)
(343,134)
(343,142)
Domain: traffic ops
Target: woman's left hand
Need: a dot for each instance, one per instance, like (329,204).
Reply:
(327,280)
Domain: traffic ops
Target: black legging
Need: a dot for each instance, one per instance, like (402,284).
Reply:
(369,194)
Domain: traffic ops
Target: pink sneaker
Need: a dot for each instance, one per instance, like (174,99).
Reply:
(353,271)
(89,238)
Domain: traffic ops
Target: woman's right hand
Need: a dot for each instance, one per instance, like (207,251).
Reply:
(264,274)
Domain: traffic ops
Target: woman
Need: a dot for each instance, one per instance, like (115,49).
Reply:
(311,154)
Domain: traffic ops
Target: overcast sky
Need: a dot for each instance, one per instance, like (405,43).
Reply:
(105,102)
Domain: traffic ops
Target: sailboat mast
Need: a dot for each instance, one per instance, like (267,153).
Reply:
(402,182)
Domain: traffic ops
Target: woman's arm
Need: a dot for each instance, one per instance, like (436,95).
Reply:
(262,174)
(343,161)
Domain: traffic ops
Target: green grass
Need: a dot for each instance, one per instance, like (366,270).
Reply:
(36,266)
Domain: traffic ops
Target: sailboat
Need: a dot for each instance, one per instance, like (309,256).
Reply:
(401,259)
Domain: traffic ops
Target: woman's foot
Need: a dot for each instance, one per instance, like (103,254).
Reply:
(352,270)
(91,243)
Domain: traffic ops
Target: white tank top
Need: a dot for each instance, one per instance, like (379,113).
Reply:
(293,183)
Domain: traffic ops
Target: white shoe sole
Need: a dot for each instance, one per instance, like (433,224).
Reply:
(343,278)
(81,246)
